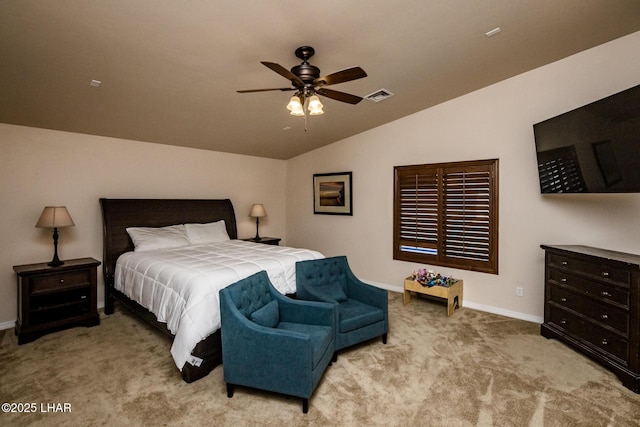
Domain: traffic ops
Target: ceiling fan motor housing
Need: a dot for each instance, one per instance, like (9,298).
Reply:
(307,72)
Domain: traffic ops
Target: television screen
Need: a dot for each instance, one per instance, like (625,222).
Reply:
(592,149)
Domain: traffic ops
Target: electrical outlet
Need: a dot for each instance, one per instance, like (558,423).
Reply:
(519,291)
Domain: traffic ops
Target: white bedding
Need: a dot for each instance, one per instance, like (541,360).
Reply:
(180,285)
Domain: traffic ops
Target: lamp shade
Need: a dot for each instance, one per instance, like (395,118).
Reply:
(258,211)
(295,106)
(55,217)
(315,106)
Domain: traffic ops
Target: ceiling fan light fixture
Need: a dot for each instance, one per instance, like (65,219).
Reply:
(315,106)
(295,106)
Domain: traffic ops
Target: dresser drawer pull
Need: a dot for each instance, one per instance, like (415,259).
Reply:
(605,274)
(563,280)
(604,316)
(564,322)
(563,299)
(604,341)
(605,294)
(564,263)
(61,280)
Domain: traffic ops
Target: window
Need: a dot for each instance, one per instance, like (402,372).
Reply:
(447,214)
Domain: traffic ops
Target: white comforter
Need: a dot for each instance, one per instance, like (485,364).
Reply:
(180,286)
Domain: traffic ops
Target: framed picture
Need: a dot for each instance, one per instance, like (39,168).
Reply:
(332,193)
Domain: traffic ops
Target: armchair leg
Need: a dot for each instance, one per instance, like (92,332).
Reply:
(334,359)
(229,390)
(305,405)
(384,338)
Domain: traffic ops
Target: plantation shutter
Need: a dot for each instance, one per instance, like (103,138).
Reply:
(446,214)
(467,219)
(418,200)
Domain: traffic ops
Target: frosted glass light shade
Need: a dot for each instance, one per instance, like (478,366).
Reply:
(315,106)
(295,106)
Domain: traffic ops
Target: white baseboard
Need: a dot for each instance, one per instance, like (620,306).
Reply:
(7,325)
(470,304)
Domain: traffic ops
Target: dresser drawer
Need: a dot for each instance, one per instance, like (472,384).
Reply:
(602,313)
(592,288)
(592,269)
(587,332)
(59,281)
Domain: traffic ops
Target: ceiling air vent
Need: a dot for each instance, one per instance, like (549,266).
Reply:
(379,95)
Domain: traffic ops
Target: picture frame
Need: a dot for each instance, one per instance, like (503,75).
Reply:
(332,193)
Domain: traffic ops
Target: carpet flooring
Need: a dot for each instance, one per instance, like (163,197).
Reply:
(470,369)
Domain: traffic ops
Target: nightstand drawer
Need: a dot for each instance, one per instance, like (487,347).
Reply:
(59,281)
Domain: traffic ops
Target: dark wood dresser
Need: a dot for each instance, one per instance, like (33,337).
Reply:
(592,303)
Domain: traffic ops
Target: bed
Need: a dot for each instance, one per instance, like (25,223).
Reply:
(193,326)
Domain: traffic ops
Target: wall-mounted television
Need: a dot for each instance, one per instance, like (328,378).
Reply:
(592,149)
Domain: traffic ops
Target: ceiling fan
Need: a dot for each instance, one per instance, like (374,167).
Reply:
(307,83)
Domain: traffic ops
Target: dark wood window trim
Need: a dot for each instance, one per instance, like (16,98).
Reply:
(446,214)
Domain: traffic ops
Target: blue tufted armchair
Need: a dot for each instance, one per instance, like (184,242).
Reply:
(362,309)
(272,342)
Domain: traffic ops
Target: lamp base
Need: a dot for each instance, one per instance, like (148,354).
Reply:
(55,262)
(257,238)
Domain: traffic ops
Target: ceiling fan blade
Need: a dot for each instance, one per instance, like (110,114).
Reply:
(341,77)
(339,96)
(283,89)
(295,80)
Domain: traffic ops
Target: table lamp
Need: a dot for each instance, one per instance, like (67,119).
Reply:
(257,212)
(55,217)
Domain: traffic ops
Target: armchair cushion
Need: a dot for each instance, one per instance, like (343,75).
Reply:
(355,315)
(267,315)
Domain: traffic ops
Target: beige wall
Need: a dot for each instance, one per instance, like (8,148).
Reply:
(41,167)
(495,122)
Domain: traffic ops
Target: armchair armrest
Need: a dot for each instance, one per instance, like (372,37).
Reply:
(366,293)
(307,312)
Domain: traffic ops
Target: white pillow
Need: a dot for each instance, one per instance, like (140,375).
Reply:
(150,238)
(212,232)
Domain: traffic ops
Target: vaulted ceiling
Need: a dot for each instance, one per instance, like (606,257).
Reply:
(169,70)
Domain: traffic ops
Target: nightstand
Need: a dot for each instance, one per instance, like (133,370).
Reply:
(275,241)
(55,298)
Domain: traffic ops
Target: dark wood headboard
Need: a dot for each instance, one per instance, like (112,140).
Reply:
(118,214)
